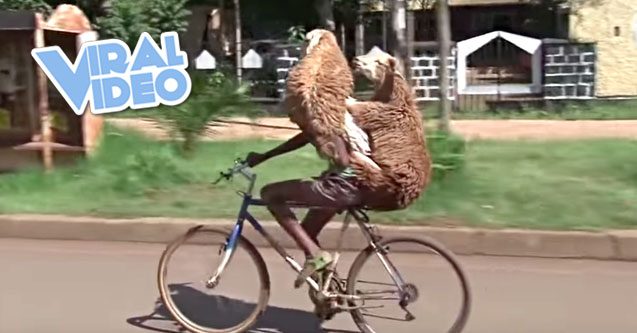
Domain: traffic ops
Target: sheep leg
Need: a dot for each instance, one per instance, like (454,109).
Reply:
(366,114)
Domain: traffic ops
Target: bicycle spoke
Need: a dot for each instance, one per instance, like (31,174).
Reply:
(406,289)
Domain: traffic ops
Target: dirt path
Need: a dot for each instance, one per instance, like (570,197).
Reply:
(471,129)
(545,129)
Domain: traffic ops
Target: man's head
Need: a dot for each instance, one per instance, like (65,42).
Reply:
(318,36)
(375,65)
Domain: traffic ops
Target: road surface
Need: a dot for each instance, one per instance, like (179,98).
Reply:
(67,286)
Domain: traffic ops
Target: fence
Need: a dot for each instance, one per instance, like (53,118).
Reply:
(425,76)
(569,70)
(568,73)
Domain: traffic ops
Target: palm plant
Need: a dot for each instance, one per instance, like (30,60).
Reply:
(212,96)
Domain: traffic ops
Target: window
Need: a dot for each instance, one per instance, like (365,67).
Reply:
(617,31)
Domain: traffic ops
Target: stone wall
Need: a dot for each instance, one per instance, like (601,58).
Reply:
(569,71)
(288,58)
(425,76)
(610,25)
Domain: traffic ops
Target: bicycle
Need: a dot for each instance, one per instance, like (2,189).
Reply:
(328,292)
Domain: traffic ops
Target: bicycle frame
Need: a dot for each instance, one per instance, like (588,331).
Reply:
(244,215)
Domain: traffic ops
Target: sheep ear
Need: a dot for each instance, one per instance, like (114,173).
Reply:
(392,63)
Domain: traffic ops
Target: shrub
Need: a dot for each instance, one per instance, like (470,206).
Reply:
(296,35)
(447,151)
(129,163)
(147,169)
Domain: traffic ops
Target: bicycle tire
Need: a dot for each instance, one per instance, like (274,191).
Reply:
(430,243)
(165,294)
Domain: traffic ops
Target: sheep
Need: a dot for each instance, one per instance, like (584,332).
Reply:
(397,136)
(316,91)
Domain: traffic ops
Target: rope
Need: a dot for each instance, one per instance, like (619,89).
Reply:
(255,124)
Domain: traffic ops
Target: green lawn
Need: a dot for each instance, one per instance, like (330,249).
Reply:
(552,185)
(584,110)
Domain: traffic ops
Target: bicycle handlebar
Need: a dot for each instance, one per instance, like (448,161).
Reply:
(243,168)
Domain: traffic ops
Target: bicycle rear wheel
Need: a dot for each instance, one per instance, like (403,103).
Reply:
(429,272)
(231,305)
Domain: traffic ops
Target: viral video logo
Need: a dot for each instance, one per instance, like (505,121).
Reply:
(106,74)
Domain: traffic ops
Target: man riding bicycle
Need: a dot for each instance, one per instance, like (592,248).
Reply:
(330,193)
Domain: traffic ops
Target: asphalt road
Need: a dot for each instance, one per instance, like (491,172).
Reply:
(65,286)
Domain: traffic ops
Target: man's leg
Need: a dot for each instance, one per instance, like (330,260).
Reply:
(315,220)
(330,191)
(276,196)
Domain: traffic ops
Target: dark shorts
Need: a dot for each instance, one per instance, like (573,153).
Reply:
(339,191)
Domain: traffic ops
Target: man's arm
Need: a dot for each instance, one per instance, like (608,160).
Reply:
(294,143)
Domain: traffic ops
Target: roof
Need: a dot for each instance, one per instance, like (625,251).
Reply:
(17,20)
(66,18)
(487,2)
(418,4)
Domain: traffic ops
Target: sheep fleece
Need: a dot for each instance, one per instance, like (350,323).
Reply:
(398,144)
(316,91)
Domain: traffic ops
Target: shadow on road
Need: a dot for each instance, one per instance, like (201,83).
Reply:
(205,310)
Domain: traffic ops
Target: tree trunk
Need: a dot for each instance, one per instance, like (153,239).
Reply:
(326,14)
(444,43)
(360,34)
(43,102)
(237,22)
(399,32)
(342,37)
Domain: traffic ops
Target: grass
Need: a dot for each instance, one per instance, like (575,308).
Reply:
(547,185)
(584,110)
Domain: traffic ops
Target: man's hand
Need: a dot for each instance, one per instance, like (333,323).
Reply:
(253,159)
(337,150)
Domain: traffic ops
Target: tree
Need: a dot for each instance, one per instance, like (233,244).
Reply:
(168,15)
(93,9)
(127,19)
(444,43)
(399,35)
(325,10)
(39,6)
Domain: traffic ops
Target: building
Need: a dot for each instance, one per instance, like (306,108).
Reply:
(522,49)
(612,26)
(36,124)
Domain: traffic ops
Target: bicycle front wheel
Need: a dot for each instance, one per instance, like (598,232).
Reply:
(233,303)
(434,295)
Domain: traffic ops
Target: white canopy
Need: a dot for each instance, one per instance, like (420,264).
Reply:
(527,44)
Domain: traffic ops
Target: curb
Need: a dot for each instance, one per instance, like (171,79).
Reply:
(602,245)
